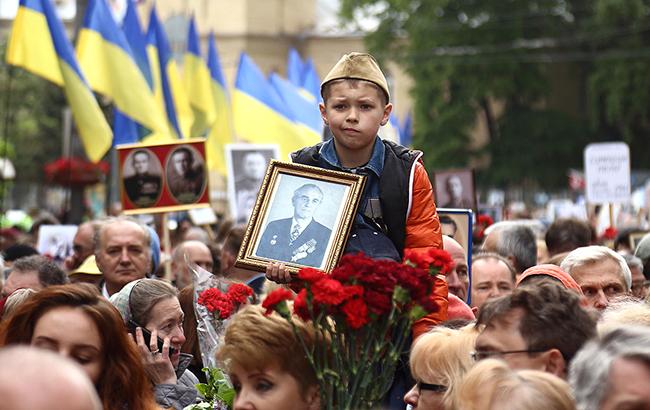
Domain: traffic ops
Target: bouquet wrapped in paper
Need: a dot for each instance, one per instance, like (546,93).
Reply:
(364,309)
(215,300)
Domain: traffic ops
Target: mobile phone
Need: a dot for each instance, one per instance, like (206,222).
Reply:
(147,337)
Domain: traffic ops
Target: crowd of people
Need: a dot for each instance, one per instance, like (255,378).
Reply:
(529,320)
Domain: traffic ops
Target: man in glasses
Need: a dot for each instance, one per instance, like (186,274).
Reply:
(539,327)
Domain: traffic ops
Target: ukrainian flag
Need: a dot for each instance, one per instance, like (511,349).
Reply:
(222,130)
(260,115)
(106,58)
(304,109)
(126,130)
(197,84)
(168,87)
(295,68)
(311,81)
(38,44)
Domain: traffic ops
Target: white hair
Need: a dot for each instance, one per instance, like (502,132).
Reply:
(591,254)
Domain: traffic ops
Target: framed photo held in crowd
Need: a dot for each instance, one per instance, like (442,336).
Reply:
(302,217)
(458,223)
(455,188)
(246,164)
(163,177)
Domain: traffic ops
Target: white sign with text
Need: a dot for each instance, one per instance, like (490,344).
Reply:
(607,172)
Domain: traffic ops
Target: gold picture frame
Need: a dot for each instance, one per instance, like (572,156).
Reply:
(302,217)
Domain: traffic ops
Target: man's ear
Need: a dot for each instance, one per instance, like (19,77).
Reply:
(555,363)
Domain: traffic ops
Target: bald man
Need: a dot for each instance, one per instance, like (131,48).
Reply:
(38,379)
(458,278)
(197,252)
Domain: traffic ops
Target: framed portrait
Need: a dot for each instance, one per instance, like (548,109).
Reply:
(163,177)
(247,165)
(302,217)
(55,241)
(455,189)
(458,223)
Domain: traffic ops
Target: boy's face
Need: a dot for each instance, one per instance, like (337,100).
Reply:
(354,113)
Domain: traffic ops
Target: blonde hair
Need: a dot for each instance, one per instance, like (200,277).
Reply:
(491,384)
(254,340)
(16,299)
(442,356)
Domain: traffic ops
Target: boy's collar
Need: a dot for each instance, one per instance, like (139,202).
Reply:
(376,163)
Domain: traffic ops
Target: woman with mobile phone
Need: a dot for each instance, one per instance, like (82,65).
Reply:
(153,314)
(77,322)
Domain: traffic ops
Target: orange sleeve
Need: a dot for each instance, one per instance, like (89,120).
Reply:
(422,232)
(422,224)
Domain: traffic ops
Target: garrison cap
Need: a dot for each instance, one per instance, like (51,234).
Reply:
(358,66)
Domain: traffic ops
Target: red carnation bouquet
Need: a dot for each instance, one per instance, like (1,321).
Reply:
(216,300)
(364,309)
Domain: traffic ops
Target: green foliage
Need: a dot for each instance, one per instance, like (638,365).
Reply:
(35,120)
(218,389)
(489,60)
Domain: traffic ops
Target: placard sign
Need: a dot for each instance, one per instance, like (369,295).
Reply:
(607,172)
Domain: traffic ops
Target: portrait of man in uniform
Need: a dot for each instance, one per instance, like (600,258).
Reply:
(300,239)
(455,189)
(185,175)
(142,178)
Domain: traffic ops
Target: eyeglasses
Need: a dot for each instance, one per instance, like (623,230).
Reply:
(480,355)
(436,388)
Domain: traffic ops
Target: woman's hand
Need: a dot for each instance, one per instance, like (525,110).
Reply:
(277,272)
(157,364)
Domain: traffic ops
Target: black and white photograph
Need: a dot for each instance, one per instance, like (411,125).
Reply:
(458,224)
(247,165)
(142,173)
(185,171)
(301,217)
(455,189)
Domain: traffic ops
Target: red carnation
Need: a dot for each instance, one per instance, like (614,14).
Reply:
(238,292)
(300,305)
(274,298)
(378,303)
(442,260)
(311,275)
(356,313)
(328,292)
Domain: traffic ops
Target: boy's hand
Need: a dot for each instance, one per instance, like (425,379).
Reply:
(277,272)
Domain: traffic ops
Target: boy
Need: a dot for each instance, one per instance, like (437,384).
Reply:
(397,209)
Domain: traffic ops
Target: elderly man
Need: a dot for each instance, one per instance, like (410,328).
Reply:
(638,280)
(184,177)
(539,328)
(458,278)
(299,239)
(454,189)
(601,273)
(613,372)
(195,252)
(143,188)
(492,276)
(253,167)
(34,272)
(82,245)
(122,253)
(516,243)
(37,379)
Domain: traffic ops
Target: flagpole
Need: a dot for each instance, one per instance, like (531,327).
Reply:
(5,137)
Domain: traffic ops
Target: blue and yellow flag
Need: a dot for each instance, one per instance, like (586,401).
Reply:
(38,44)
(107,60)
(197,84)
(260,115)
(304,109)
(125,130)
(222,130)
(406,130)
(168,86)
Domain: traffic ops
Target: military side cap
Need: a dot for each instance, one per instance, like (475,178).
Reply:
(358,66)
(88,267)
